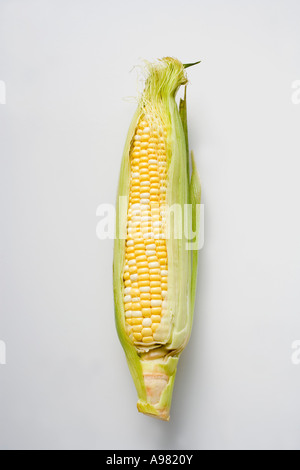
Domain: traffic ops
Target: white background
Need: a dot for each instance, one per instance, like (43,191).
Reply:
(68,69)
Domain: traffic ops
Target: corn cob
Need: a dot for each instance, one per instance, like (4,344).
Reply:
(154,271)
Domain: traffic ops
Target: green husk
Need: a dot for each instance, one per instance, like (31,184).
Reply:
(154,368)
(195,192)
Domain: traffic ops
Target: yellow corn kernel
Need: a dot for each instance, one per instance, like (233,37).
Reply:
(148,339)
(137,336)
(146,312)
(137,328)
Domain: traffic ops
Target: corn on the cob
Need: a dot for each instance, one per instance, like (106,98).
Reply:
(154,272)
